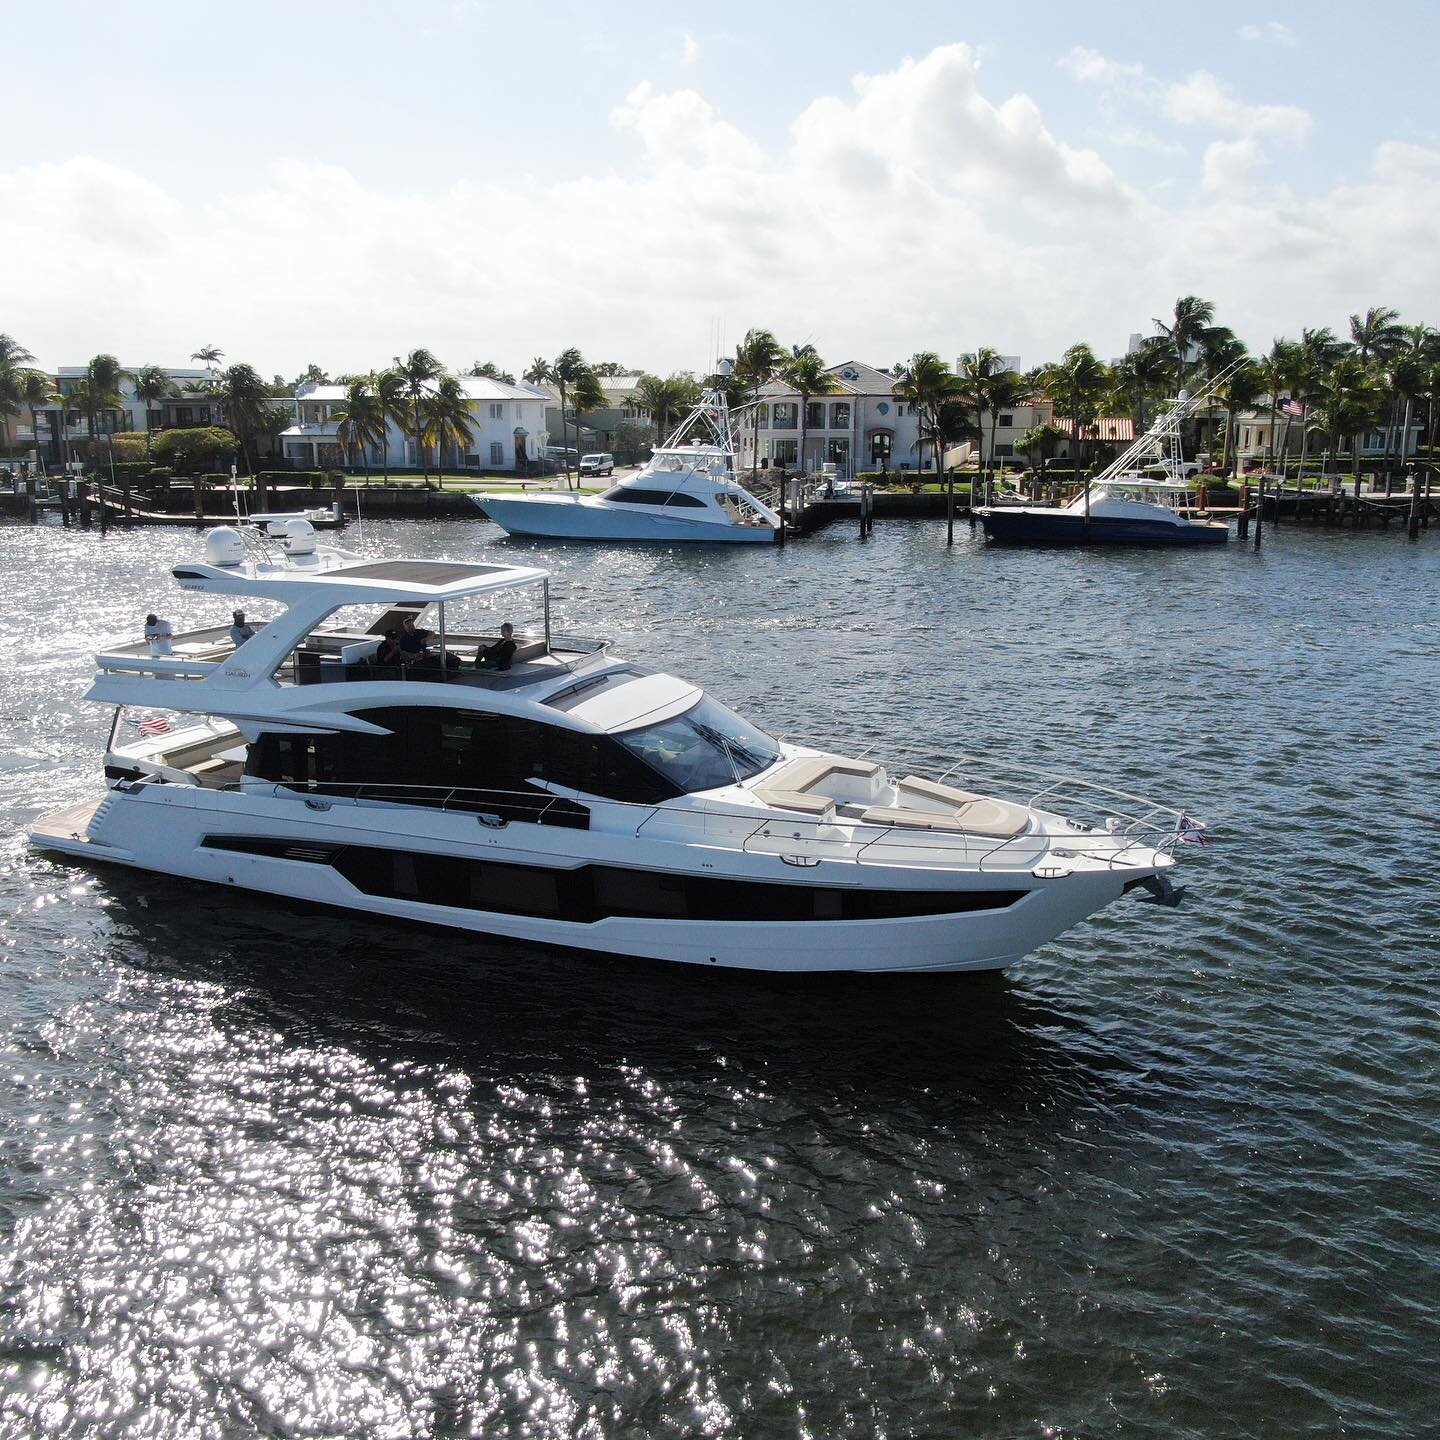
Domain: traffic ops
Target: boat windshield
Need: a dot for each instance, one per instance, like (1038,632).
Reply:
(706,747)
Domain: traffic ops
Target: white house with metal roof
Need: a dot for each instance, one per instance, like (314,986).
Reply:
(507,424)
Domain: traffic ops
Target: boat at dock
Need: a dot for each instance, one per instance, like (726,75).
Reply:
(1140,498)
(686,492)
(558,793)
(1129,511)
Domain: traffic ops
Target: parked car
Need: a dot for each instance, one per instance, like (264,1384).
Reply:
(597,464)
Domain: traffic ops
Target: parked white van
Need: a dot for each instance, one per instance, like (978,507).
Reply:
(597,464)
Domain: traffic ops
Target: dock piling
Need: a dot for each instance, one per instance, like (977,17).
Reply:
(950,506)
(1242,524)
(1260,511)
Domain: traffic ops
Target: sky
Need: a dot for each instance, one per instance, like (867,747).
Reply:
(339,184)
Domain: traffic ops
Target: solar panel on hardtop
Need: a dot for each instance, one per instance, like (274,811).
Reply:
(418,572)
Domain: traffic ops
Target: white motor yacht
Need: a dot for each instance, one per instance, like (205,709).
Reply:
(686,492)
(557,793)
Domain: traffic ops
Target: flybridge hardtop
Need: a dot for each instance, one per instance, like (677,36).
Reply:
(508,780)
(687,491)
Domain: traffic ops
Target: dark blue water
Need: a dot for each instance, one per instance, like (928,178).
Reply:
(268,1171)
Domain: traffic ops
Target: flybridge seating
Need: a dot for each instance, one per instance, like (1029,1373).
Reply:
(337,610)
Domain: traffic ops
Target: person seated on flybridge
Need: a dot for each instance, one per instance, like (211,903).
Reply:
(413,642)
(390,654)
(240,632)
(499,655)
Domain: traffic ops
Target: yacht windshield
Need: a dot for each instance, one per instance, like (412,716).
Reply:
(706,747)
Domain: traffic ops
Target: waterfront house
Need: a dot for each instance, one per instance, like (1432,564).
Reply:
(622,426)
(507,424)
(863,425)
(63,428)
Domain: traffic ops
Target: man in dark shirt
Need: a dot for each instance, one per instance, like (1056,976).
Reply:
(412,641)
(389,653)
(499,655)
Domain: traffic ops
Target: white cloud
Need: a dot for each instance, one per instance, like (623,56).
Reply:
(689,49)
(1202,100)
(1275,31)
(911,211)
(1199,102)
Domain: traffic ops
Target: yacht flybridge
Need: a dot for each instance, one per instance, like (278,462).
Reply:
(687,491)
(573,798)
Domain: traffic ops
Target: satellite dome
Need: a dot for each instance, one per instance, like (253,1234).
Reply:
(224,546)
(299,537)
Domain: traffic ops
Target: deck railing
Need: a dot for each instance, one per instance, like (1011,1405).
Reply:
(798,840)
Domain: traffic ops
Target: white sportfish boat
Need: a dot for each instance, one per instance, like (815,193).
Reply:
(686,492)
(1124,504)
(575,798)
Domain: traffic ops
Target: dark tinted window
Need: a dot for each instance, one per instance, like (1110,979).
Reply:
(442,749)
(628,495)
(598,892)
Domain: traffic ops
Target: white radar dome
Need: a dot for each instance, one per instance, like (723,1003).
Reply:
(299,537)
(1183,396)
(224,546)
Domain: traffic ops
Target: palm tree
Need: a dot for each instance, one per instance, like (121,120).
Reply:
(927,386)
(757,357)
(994,386)
(805,373)
(1320,351)
(447,419)
(587,395)
(209,356)
(418,369)
(1405,375)
(13,354)
(360,418)
(1350,401)
(1076,383)
(1183,334)
(97,390)
(152,385)
(1377,333)
(1143,375)
(565,371)
(1241,389)
(245,399)
(661,399)
(36,389)
(539,371)
(389,388)
(1276,370)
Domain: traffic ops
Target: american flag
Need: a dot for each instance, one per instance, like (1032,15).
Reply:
(1190,832)
(1293,407)
(151,725)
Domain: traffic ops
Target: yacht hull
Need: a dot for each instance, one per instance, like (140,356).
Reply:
(1040,527)
(559,517)
(174,831)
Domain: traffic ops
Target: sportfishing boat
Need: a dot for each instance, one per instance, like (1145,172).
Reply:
(1119,511)
(543,788)
(1125,504)
(687,491)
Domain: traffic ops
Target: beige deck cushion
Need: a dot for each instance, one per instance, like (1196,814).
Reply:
(946,794)
(912,819)
(820,806)
(978,814)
